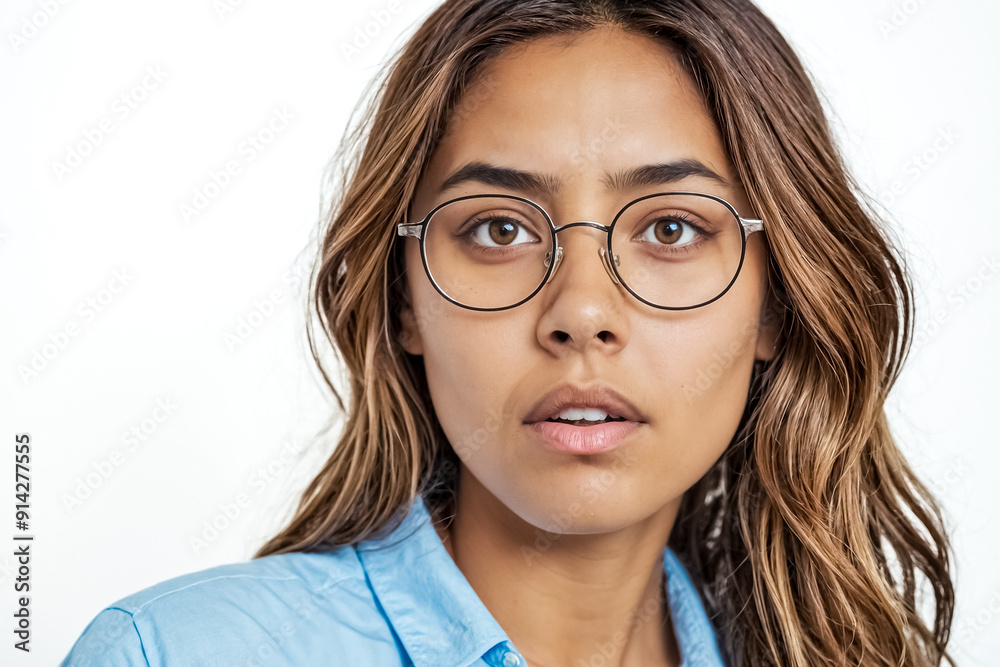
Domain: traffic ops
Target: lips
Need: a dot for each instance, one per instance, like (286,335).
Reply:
(595,439)
(573,436)
(600,397)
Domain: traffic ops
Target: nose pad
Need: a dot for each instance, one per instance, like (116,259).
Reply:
(605,260)
(548,258)
(607,264)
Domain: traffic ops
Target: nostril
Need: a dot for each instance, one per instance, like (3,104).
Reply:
(604,335)
(561,336)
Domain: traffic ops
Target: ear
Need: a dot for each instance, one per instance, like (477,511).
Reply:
(409,337)
(772,316)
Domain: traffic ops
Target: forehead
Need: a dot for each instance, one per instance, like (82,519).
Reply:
(577,107)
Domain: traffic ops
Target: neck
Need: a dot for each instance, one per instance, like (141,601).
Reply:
(566,599)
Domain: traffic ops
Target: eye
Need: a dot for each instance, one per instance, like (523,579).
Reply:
(498,231)
(672,230)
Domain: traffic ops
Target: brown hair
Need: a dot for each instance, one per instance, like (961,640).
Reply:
(807,535)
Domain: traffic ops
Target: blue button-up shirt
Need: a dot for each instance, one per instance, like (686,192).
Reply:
(398,600)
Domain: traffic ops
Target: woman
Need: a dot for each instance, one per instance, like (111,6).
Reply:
(619,331)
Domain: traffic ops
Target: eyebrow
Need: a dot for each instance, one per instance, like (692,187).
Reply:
(623,179)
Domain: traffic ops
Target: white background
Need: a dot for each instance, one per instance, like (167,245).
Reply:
(895,75)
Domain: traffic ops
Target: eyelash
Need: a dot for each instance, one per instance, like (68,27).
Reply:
(684,219)
(465,234)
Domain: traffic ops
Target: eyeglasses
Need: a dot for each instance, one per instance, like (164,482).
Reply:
(673,251)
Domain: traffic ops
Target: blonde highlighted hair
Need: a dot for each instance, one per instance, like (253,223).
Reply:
(811,537)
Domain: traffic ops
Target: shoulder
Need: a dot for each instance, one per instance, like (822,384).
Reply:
(291,606)
(250,581)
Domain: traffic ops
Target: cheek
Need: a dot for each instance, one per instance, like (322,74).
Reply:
(473,364)
(699,370)
(467,385)
(473,360)
(473,371)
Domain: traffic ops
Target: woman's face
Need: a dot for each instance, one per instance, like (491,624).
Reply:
(573,111)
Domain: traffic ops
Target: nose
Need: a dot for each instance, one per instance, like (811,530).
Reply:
(583,303)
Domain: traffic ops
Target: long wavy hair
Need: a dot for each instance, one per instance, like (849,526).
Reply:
(811,540)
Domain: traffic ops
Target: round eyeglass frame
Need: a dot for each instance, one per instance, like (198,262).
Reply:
(416,229)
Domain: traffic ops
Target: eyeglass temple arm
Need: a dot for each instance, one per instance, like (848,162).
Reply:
(414,229)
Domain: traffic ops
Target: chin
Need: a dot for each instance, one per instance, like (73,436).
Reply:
(582,509)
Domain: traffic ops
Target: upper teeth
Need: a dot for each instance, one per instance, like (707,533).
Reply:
(587,414)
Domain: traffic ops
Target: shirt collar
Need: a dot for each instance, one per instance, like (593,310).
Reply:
(435,612)
(441,621)
(695,633)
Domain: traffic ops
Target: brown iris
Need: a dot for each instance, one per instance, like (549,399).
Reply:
(668,231)
(502,231)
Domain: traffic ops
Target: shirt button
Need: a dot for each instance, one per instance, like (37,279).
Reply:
(511,660)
